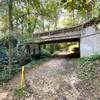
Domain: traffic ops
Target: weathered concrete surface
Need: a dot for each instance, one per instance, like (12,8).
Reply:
(88,34)
(90,41)
(62,36)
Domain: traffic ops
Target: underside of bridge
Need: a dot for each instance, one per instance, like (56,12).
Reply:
(66,53)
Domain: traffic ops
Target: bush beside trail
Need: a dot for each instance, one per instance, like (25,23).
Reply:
(88,70)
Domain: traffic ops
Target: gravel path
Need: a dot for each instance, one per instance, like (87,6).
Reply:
(53,80)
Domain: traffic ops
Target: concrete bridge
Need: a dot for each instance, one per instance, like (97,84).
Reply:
(87,34)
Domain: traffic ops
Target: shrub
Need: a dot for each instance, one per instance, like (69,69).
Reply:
(5,75)
(19,92)
(15,69)
(87,68)
(45,53)
(87,59)
(87,72)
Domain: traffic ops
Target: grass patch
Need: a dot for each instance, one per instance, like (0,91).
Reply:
(20,92)
(87,59)
(87,67)
(88,70)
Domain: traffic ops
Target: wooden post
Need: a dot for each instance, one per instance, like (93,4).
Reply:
(22,77)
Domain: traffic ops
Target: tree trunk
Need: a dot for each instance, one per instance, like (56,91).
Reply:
(10,32)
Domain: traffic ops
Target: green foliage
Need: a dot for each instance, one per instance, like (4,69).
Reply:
(87,68)
(19,92)
(4,74)
(86,59)
(45,53)
(87,72)
(84,8)
(29,16)
(15,69)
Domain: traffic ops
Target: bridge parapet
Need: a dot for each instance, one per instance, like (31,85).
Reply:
(67,35)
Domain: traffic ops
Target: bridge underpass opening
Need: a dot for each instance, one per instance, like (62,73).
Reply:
(70,49)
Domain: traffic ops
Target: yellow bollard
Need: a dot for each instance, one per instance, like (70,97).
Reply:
(23,77)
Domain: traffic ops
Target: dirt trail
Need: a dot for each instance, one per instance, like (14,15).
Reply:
(53,80)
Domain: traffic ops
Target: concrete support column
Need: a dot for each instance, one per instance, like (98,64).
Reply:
(39,49)
(90,42)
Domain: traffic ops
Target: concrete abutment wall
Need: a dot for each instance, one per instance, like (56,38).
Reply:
(90,41)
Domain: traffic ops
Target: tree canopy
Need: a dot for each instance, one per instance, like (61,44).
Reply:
(30,16)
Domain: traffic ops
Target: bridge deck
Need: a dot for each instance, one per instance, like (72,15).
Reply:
(66,33)
(60,37)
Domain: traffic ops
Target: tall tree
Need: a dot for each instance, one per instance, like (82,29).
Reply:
(10,32)
(84,8)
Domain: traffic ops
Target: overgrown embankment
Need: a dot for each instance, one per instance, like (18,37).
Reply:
(4,70)
(88,70)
